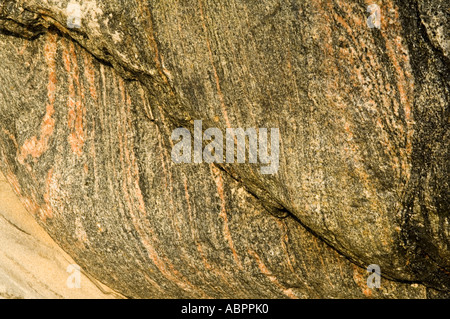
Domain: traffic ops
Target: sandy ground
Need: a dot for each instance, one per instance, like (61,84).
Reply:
(32,265)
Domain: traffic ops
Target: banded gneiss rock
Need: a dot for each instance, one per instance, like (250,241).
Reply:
(86,116)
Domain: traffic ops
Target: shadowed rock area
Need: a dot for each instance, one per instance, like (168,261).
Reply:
(87,113)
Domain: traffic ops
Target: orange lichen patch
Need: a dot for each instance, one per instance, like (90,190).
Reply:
(76,109)
(223,212)
(266,272)
(37,146)
(359,279)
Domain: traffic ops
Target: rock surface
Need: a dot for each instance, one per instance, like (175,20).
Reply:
(31,263)
(86,116)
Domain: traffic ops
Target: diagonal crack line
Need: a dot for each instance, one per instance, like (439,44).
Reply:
(14,225)
(322,239)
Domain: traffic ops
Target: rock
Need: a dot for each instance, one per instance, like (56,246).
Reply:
(435,16)
(87,112)
(31,263)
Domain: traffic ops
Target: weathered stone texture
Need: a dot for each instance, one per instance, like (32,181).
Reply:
(86,116)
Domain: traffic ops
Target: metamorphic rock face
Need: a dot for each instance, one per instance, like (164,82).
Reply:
(87,111)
